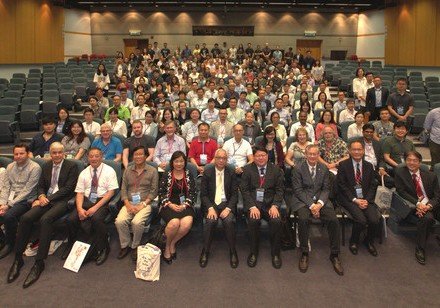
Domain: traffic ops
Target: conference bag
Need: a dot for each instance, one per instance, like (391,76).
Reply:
(383,196)
(148,263)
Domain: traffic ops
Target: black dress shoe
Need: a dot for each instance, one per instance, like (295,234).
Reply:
(7,249)
(14,272)
(203,261)
(337,265)
(353,248)
(276,261)
(102,256)
(252,260)
(33,275)
(371,249)
(303,263)
(123,252)
(66,251)
(174,255)
(167,260)
(420,256)
(233,259)
(134,255)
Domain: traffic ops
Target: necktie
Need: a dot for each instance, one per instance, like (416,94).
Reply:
(262,171)
(313,173)
(55,174)
(95,180)
(219,189)
(358,176)
(416,182)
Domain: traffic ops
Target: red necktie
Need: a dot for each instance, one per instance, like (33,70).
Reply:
(416,182)
(358,176)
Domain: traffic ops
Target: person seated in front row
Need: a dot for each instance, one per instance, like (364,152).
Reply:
(136,140)
(332,149)
(395,147)
(168,144)
(422,189)
(95,187)
(357,186)
(177,194)
(262,188)
(55,188)
(311,186)
(110,146)
(202,149)
(219,197)
(19,186)
(39,146)
(139,188)
(239,150)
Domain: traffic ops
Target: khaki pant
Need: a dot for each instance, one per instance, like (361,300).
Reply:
(137,222)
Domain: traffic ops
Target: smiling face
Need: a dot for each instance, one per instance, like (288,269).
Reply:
(356,150)
(76,129)
(413,162)
(261,158)
(20,155)
(179,164)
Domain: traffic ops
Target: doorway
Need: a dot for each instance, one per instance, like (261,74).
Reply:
(131,44)
(313,45)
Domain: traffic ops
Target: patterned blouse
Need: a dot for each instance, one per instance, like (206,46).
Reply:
(165,189)
(333,153)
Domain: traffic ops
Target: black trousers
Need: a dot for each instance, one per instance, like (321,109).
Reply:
(93,228)
(424,225)
(46,215)
(363,218)
(228,225)
(10,221)
(328,216)
(274,229)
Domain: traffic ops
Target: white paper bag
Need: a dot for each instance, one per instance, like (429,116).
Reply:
(148,263)
(383,196)
(76,256)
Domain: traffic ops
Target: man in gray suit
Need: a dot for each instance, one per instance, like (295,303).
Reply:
(311,189)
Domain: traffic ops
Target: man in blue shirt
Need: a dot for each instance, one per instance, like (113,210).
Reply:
(110,146)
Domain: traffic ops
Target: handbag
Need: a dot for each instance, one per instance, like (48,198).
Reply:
(288,238)
(158,238)
(383,196)
(148,263)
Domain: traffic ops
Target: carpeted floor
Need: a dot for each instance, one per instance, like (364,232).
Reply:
(392,279)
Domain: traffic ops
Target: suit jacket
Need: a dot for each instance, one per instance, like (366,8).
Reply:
(215,126)
(299,58)
(256,130)
(370,100)
(273,186)
(67,178)
(377,147)
(406,188)
(208,187)
(304,188)
(346,181)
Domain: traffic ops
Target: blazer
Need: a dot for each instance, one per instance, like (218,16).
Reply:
(406,188)
(377,147)
(304,188)
(346,181)
(370,100)
(273,186)
(256,130)
(67,178)
(215,126)
(208,188)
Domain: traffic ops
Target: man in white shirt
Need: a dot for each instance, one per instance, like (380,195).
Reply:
(322,88)
(362,94)
(235,114)
(340,104)
(90,126)
(200,102)
(193,92)
(190,128)
(302,122)
(211,92)
(210,114)
(239,150)
(138,113)
(125,101)
(349,113)
(95,187)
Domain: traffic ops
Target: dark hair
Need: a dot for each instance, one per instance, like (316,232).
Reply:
(259,149)
(81,135)
(21,145)
(305,103)
(268,130)
(88,109)
(138,148)
(400,124)
(273,113)
(170,111)
(332,120)
(319,96)
(356,140)
(65,109)
(402,79)
(358,69)
(175,156)
(414,153)
(48,120)
(367,126)
(93,97)
(113,110)
(150,112)
(197,110)
(358,113)
(104,71)
(203,124)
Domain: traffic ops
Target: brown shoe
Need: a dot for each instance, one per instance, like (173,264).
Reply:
(303,263)
(337,265)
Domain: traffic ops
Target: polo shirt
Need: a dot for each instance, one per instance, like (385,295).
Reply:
(198,147)
(400,102)
(238,152)
(39,146)
(111,149)
(397,148)
(123,113)
(131,143)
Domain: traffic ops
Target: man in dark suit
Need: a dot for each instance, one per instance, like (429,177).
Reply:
(262,189)
(310,181)
(357,186)
(422,189)
(55,188)
(219,195)
(251,127)
(299,57)
(376,99)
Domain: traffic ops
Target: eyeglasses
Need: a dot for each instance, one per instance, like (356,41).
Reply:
(221,158)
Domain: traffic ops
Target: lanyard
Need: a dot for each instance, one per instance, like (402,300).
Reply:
(235,150)
(170,145)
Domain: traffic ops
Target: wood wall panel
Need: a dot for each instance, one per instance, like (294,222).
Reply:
(32,32)
(392,36)
(436,45)
(425,14)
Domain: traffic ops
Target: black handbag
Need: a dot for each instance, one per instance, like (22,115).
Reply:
(158,238)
